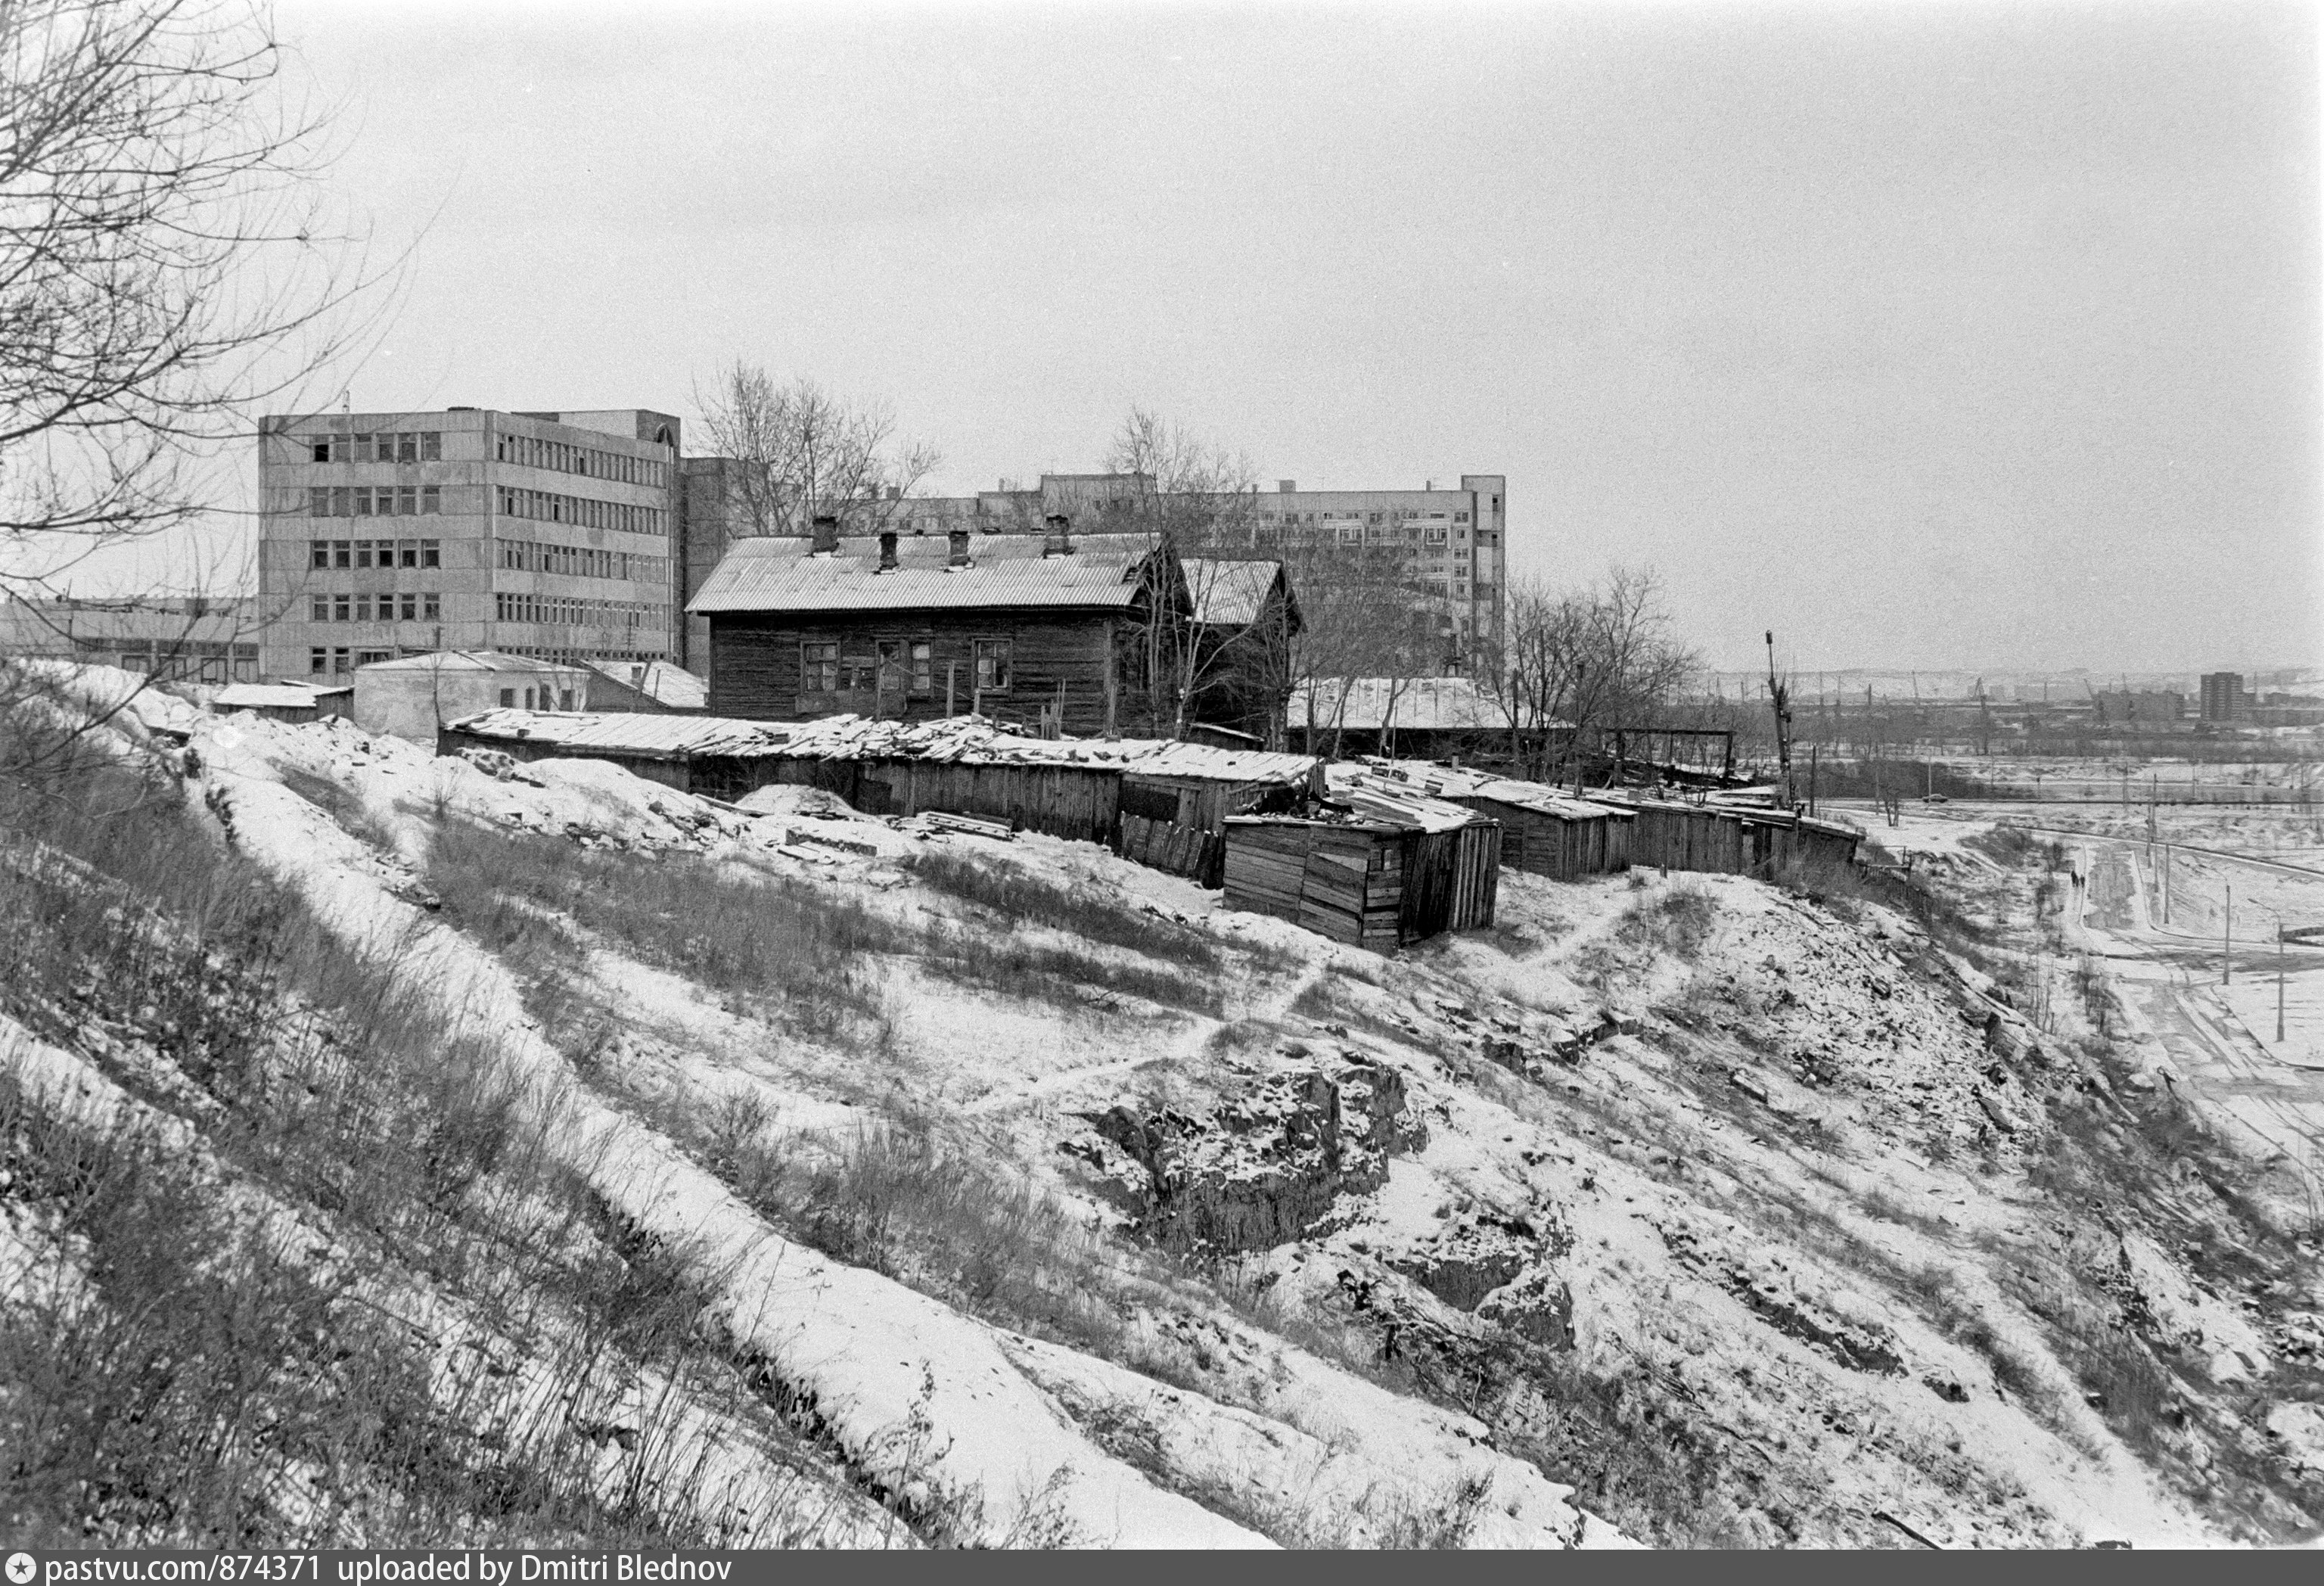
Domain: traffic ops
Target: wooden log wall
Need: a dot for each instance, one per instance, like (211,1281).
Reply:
(1176,849)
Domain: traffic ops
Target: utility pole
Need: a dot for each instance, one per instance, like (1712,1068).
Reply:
(1782,697)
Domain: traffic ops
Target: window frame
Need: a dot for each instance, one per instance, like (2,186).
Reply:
(1003,673)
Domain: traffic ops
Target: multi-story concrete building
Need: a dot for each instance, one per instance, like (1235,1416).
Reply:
(1451,542)
(2222,698)
(553,535)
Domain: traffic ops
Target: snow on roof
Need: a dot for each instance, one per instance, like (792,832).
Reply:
(269,696)
(627,733)
(783,575)
(1419,705)
(1376,798)
(659,680)
(954,740)
(469,660)
(1230,594)
(975,740)
(1443,781)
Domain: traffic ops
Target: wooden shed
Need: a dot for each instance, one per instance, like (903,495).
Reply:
(1373,870)
(1543,831)
(1176,801)
(1729,840)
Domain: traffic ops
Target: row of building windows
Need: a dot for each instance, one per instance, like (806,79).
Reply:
(898,666)
(342,659)
(581,561)
(549,507)
(512,607)
(576,657)
(374,553)
(559,456)
(411,607)
(400,446)
(202,660)
(564,697)
(375,501)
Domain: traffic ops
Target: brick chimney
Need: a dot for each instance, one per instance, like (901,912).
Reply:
(888,550)
(826,535)
(1059,541)
(959,541)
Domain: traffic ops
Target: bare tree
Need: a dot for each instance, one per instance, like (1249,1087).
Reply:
(803,452)
(166,266)
(1588,660)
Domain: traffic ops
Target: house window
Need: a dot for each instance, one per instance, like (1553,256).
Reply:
(1460,517)
(431,553)
(322,455)
(431,607)
(431,445)
(339,661)
(342,608)
(528,699)
(508,699)
(319,661)
(924,666)
(318,608)
(364,657)
(1350,534)
(818,668)
(1436,534)
(319,553)
(993,665)
(319,500)
(363,608)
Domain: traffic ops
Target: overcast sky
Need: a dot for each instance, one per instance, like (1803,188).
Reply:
(1926,335)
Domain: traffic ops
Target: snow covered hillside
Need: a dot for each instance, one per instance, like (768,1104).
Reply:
(786,1175)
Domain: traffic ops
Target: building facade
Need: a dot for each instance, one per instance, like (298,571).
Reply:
(190,639)
(556,536)
(2222,698)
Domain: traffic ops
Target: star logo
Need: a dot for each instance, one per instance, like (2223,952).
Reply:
(22,1568)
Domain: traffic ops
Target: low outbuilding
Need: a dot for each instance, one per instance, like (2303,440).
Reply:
(286,702)
(1373,868)
(416,696)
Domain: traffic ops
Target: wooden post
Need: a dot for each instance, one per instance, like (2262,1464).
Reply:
(952,680)
(2279,982)
(2227,937)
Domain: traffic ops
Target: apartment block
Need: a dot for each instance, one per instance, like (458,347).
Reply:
(2223,697)
(552,535)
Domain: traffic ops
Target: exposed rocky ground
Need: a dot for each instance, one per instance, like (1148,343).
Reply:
(1019,1195)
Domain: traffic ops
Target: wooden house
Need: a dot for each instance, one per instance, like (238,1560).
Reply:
(1543,831)
(1245,617)
(1049,633)
(1370,868)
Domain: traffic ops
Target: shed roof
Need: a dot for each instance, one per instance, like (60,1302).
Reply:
(1376,798)
(659,681)
(645,737)
(975,740)
(1444,781)
(470,660)
(783,575)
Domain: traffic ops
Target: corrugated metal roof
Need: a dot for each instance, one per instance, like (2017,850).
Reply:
(1418,705)
(1444,781)
(1230,594)
(469,660)
(626,732)
(781,575)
